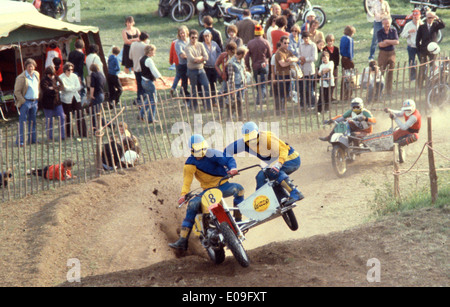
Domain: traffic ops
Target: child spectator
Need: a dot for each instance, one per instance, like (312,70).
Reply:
(53,172)
(115,88)
(326,82)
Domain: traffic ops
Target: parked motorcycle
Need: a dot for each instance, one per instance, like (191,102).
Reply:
(214,8)
(260,13)
(179,10)
(53,8)
(298,8)
(217,229)
(400,21)
(346,147)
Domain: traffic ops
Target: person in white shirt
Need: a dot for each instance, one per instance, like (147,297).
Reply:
(410,32)
(71,100)
(326,70)
(149,75)
(93,58)
(308,56)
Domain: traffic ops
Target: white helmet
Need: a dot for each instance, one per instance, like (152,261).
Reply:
(409,107)
(433,48)
(200,6)
(357,105)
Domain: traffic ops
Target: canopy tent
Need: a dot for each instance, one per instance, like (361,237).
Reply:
(24,33)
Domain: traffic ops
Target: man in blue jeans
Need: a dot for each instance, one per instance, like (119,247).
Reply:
(196,56)
(26,92)
(209,166)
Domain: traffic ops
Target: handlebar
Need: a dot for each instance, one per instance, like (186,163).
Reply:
(191,194)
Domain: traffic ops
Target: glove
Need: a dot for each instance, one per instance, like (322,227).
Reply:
(360,118)
(233,172)
(327,121)
(275,170)
(391,115)
(181,200)
(387,110)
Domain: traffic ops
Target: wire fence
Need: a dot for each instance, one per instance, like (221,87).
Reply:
(109,138)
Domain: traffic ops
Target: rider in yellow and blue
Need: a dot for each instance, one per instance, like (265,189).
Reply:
(208,166)
(267,147)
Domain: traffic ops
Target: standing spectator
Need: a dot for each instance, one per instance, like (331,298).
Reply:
(93,58)
(71,99)
(295,40)
(410,33)
(426,34)
(216,36)
(259,52)
(77,57)
(50,87)
(270,26)
(114,86)
(283,60)
(314,34)
(196,56)
(320,46)
(149,75)
(96,93)
(326,82)
(276,9)
(246,27)
(221,67)
(237,80)
(310,16)
(213,51)
(129,35)
(347,48)
(136,53)
(290,19)
(181,68)
(333,51)
(26,92)
(387,39)
(380,10)
(52,51)
(281,23)
(308,56)
(232,31)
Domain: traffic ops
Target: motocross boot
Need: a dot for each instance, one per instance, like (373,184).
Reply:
(182,243)
(295,194)
(327,138)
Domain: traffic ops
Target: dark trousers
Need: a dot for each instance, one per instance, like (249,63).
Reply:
(77,113)
(115,88)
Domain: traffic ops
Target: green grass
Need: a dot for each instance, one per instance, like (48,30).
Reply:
(385,202)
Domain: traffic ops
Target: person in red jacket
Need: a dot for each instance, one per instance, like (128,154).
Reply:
(61,171)
(408,131)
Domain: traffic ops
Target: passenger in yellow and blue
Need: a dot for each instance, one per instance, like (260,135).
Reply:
(208,166)
(267,147)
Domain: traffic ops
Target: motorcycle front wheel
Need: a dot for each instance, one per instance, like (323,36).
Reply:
(321,17)
(59,12)
(368,4)
(182,11)
(339,160)
(234,244)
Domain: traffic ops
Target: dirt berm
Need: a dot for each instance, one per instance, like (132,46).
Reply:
(118,227)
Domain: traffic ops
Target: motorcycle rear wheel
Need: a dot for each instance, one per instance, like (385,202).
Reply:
(216,255)
(182,11)
(234,244)
(320,16)
(339,160)
(438,95)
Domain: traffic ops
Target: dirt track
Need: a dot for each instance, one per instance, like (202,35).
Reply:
(118,226)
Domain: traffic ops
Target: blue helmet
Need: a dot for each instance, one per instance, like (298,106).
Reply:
(250,131)
(198,145)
